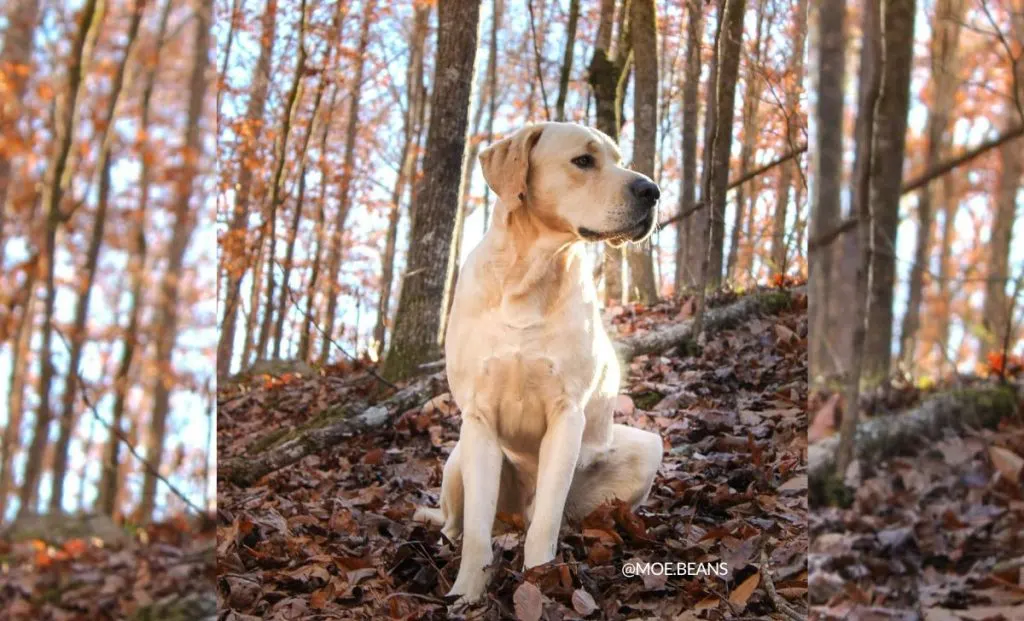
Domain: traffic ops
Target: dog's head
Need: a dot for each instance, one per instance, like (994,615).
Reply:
(571,179)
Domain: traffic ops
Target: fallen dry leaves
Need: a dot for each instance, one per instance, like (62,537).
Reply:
(331,537)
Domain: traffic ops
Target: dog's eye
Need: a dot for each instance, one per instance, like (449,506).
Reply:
(584,161)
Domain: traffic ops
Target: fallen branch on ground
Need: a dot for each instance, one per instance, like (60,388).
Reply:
(247,470)
(888,436)
(715,319)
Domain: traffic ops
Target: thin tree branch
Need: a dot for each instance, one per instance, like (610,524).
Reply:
(536,55)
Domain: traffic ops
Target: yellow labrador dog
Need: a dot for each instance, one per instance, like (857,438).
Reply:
(528,360)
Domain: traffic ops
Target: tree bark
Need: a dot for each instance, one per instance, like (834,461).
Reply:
(701,218)
(826,140)
(57,181)
(729,44)
(166,318)
(109,479)
(68,417)
(276,185)
(779,253)
(20,353)
(607,77)
(566,72)
(645,129)
(890,128)
(748,145)
(407,163)
(421,306)
(945,78)
(687,275)
(347,170)
(236,256)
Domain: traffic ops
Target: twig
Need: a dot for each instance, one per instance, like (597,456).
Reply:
(769,585)
(124,439)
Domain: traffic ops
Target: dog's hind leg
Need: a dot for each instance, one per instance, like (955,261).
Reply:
(449,515)
(625,470)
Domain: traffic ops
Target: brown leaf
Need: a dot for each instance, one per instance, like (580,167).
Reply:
(1008,463)
(742,593)
(529,602)
(583,602)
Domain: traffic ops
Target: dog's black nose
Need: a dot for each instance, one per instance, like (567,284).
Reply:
(646,191)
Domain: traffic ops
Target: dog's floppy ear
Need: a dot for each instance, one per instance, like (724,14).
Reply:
(506,165)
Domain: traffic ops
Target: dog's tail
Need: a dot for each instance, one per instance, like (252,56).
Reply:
(429,515)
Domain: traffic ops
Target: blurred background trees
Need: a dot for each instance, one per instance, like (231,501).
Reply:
(327,200)
(106,308)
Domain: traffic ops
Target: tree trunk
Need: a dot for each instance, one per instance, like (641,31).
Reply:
(20,352)
(166,314)
(645,129)
(254,303)
(998,307)
(566,72)
(109,479)
(276,183)
(606,75)
(57,181)
(104,164)
(421,305)
(347,170)
(944,44)
(698,250)
(748,145)
(778,263)
(15,56)
(687,275)
(407,165)
(236,256)
(890,128)
(729,44)
(826,148)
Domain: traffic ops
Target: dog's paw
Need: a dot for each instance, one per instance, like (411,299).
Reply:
(429,515)
(470,587)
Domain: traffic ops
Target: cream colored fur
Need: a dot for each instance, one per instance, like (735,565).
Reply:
(528,360)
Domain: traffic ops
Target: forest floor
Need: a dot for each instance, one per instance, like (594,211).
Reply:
(163,572)
(935,533)
(330,537)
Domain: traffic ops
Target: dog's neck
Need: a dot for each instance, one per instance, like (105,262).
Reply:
(536,263)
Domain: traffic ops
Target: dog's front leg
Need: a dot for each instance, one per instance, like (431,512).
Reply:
(559,451)
(481,473)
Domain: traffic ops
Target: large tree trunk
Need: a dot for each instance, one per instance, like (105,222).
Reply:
(687,274)
(748,145)
(826,148)
(729,44)
(109,479)
(606,75)
(276,185)
(645,129)
(779,251)
(236,256)
(58,180)
(566,72)
(407,164)
(886,179)
(348,166)
(166,317)
(104,164)
(15,56)
(421,305)
(944,44)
